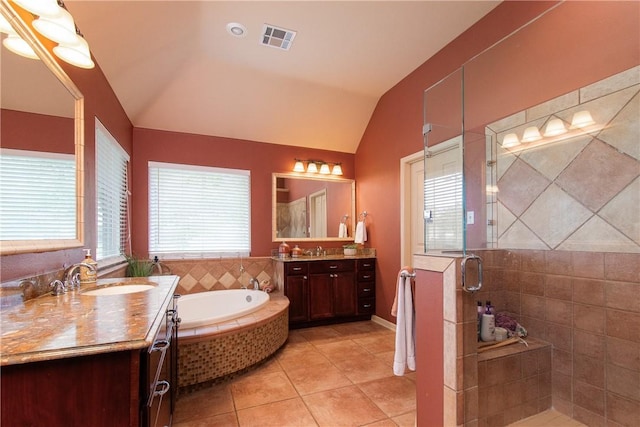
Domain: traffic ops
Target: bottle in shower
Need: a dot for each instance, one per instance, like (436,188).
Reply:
(480,313)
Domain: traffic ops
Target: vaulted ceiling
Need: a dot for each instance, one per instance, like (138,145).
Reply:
(174,66)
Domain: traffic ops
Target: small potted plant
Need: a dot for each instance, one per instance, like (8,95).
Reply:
(137,267)
(351,249)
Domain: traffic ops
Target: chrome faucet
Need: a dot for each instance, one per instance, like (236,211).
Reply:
(319,250)
(255,283)
(72,281)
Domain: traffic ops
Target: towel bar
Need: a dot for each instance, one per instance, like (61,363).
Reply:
(405,275)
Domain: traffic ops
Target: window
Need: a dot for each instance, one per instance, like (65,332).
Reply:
(111,195)
(198,212)
(37,195)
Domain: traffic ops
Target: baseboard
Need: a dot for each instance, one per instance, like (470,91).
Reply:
(382,322)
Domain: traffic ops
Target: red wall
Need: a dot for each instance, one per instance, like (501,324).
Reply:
(573,44)
(36,132)
(260,158)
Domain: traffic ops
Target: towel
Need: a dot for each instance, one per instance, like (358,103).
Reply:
(342,230)
(361,233)
(405,354)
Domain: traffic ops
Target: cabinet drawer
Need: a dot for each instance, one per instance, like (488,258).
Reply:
(366,264)
(366,305)
(331,266)
(292,268)
(366,276)
(366,290)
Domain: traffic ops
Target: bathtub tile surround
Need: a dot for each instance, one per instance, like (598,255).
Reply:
(591,211)
(212,353)
(200,275)
(587,306)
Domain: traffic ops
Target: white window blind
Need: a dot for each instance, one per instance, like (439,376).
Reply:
(443,204)
(111,195)
(198,212)
(37,195)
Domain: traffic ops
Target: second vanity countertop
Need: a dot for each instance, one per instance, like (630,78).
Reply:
(323,257)
(72,324)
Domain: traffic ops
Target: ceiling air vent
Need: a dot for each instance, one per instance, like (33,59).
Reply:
(279,38)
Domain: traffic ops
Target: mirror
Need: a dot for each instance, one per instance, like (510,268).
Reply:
(312,208)
(42,116)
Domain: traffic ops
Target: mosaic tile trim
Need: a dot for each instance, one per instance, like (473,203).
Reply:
(222,354)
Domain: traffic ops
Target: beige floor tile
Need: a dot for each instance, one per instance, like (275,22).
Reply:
(378,343)
(204,403)
(361,370)
(382,423)
(290,412)
(344,349)
(346,406)
(322,334)
(258,389)
(406,420)
(394,395)
(315,378)
(290,359)
(223,420)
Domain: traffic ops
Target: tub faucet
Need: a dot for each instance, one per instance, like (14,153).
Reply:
(71,280)
(255,283)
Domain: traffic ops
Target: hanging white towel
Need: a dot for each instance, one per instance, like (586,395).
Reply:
(342,230)
(405,354)
(361,233)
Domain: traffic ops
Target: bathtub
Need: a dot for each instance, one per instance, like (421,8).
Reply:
(222,334)
(207,308)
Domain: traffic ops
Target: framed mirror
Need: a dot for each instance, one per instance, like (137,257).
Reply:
(42,131)
(309,208)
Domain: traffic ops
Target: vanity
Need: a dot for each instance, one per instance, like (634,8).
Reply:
(108,359)
(328,289)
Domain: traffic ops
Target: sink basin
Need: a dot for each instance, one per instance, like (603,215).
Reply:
(119,289)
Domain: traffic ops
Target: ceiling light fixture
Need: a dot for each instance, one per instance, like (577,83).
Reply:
(15,44)
(236,30)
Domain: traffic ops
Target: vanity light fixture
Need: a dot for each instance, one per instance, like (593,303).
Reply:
(56,24)
(510,140)
(555,127)
(299,166)
(318,166)
(531,134)
(582,119)
(324,169)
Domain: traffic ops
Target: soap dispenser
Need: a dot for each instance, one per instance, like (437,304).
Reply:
(88,276)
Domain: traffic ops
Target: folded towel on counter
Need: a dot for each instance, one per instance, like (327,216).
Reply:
(405,354)
(342,230)
(361,233)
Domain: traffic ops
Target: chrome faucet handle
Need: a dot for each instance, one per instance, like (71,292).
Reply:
(73,282)
(57,287)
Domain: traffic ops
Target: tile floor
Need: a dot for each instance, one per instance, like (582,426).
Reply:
(338,375)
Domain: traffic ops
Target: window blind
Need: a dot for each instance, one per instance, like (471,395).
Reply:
(37,195)
(198,212)
(111,195)
(443,203)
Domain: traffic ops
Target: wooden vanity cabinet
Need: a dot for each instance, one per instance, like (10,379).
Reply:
(332,291)
(327,291)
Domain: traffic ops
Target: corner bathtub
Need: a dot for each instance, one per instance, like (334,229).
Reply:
(222,333)
(207,308)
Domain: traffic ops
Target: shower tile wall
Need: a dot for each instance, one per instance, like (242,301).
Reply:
(587,305)
(580,193)
(219,273)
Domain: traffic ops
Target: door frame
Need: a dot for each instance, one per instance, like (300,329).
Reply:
(406,257)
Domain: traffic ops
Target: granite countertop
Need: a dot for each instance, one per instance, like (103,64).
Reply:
(323,257)
(72,324)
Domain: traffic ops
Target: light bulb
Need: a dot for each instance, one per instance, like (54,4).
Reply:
(555,127)
(337,169)
(531,134)
(312,168)
(510,140)
(299,166)
(324,169)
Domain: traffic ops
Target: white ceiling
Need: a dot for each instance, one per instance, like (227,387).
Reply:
(173,65)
